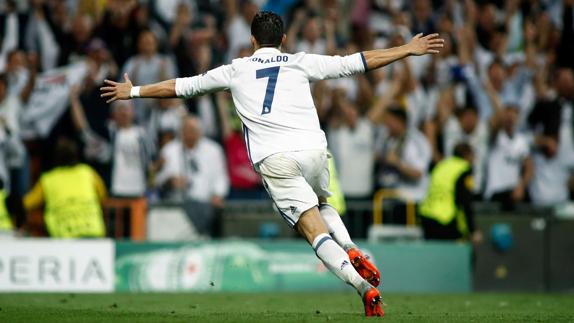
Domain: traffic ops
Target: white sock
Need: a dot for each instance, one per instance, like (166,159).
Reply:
(338,262)
(336,226)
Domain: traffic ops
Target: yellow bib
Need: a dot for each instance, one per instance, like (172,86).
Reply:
(5,221)
(440,203)
(72,206)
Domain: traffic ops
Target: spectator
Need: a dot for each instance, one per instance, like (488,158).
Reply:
(165,121)
(554,154)
(13,172)
(167,11)
(553,169)
(238,23)
(12,213)
(503,83)
(40,36)
(73,45)
(17,72)
(131,153)
(185,36)
(351,137)
(245,182)
(312,40)
(13,30)
(205,106)
(509,165)
(422,21)
(446,213)
(466,126)
(119,29)
(148,66)
(124,147)
(194,173)
(403,155)
(71,194)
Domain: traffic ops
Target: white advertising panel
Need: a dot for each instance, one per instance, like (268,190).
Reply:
(46,265)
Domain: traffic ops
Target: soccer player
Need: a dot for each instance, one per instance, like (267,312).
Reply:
(285,143)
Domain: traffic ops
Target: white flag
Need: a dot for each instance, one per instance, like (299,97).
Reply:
(50,99)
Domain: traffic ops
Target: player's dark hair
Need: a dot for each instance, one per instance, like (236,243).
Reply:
(3,78)
(267,28)
(462,150)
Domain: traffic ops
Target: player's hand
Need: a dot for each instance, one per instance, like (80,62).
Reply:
(429,44)
(117,91)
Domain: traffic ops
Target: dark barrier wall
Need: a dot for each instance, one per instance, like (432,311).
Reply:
(537,255)
(561,255)
(521,265)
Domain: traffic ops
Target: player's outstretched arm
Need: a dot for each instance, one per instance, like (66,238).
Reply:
(113,91)
(419,45)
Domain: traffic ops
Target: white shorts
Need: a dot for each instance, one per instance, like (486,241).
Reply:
(295,180)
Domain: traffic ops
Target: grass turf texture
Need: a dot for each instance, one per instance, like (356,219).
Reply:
(300,307)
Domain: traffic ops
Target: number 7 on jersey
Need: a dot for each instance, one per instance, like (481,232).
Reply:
(271,73)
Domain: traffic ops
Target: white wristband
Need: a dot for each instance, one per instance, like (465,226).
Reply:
(135,92)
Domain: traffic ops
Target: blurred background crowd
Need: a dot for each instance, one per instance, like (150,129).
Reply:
(503,83)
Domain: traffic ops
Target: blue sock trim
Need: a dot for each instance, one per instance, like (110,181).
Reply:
(325,238)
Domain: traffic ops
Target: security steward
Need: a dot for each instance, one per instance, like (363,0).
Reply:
(71,194)
(446,213)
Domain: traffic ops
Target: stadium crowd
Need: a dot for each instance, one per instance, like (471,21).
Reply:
(504,83)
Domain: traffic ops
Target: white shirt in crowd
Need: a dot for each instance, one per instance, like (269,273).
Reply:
(549,185)
(207,114)
(144,70)
(505,162)
(318,47)
(272,96)
(203,167)
(10,38)
(165,120)
(128,172)
(238,34)
(354,157)
(478,140)
(10,112)
(415,152)
(418,103)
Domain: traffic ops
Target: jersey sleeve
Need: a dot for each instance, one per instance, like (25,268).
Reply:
(213,80)
(321,67)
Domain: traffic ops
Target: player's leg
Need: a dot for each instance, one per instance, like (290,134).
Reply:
(339,232)
(297,203)
(335,225)
(313,229)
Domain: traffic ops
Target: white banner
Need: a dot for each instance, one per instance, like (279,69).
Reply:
(50,99)
(46,265)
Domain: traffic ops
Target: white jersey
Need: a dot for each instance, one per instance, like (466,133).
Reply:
(273,98)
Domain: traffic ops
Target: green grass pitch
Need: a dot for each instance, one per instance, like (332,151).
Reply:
(282,307)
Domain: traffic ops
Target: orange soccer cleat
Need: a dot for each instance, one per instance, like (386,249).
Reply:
(364,267)
(372,301)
